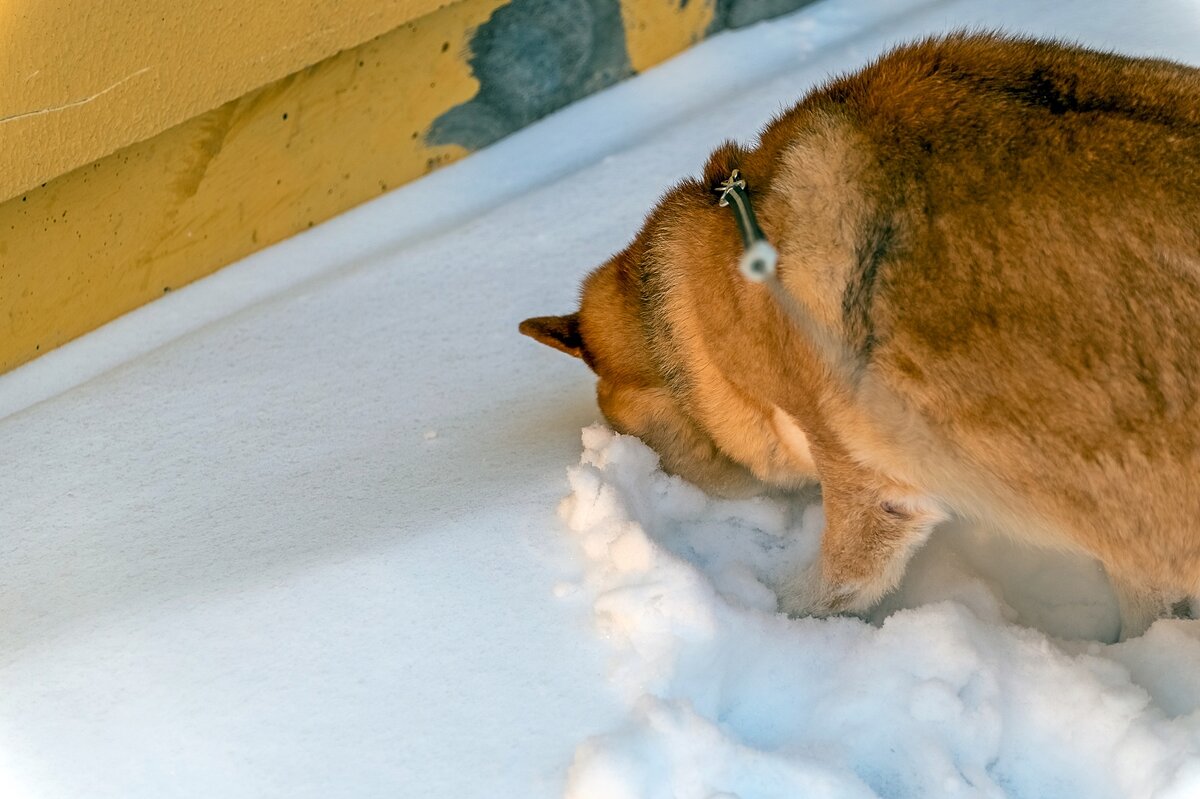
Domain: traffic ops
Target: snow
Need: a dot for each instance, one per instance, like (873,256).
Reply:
(292,529)
(950,692)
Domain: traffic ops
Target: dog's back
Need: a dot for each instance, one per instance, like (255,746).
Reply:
(1029,282)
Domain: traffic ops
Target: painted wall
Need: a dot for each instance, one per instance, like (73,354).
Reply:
(83,79)
(88,245)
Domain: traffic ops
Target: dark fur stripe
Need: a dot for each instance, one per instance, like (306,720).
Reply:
(859,295)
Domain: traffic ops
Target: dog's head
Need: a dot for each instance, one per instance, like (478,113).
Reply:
(607,333)
(630,333)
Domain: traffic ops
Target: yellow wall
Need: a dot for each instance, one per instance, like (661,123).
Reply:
(113,235)
(83,79)
(655,30)
(147,143)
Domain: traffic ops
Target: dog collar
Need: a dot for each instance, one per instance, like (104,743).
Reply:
(758,263)
(759,258)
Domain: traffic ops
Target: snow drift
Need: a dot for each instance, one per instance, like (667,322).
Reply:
(984,676)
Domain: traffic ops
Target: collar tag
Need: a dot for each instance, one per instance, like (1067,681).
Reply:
(759,258)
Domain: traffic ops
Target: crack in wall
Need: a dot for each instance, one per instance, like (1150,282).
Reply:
(74,103)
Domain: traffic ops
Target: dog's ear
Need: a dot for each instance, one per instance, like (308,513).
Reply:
(559,332)
(726,158)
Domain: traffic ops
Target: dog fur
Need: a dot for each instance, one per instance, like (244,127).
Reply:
(999,241)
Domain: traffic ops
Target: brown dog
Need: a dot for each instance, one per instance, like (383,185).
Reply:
(998,242)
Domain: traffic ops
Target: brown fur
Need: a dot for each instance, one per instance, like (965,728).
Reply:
(1002,238)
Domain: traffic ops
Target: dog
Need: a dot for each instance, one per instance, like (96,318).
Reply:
(997,244)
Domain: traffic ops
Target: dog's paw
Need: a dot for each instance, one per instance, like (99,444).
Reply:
(808,593)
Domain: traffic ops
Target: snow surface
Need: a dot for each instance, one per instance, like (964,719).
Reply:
(291,530)
(952,692)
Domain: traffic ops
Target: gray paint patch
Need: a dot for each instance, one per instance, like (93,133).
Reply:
(532,57)
(739,13)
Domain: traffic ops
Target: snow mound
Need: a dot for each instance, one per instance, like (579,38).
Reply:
(981,677)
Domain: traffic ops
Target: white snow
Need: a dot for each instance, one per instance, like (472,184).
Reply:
(950,692)
(291,530)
